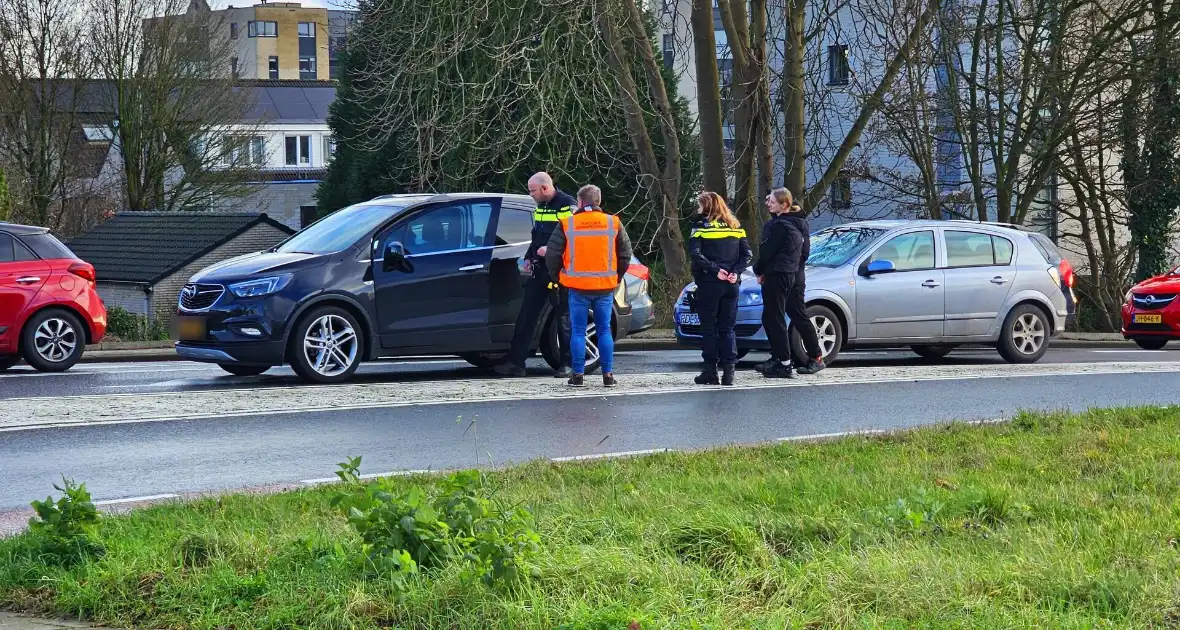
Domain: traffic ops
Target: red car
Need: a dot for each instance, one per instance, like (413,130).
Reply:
(1151,315)
(49,308)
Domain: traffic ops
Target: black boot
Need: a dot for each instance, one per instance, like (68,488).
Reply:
(708,376)
(727,375)
(766,365)
(780,371)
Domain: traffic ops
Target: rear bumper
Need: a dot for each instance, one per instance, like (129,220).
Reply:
(261,353)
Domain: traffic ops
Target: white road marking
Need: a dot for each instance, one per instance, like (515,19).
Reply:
(1129,351)
(394,473)
(150,497)
(95,410)
(581,458)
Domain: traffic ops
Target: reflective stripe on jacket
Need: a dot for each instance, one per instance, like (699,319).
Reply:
(590,261)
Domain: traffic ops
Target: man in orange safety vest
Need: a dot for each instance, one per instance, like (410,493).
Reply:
(589,254)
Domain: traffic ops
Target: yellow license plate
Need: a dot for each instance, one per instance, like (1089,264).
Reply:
(1149,319)
(190,329)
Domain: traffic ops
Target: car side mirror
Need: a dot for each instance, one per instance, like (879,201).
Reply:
(878,266)
(395,257)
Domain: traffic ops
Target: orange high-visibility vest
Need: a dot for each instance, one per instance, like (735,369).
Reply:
(591,261)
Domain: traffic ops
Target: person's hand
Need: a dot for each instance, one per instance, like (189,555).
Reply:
(761,279)
(528,266)
(733,278)
(722,275)
(542,250)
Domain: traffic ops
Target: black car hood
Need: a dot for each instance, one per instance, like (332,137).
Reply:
(258,264)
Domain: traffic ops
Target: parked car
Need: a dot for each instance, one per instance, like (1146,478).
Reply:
(1151,314)
(49,308)
(926,285)
(399,275)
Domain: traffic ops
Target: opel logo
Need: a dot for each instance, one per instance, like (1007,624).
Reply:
(1149,299)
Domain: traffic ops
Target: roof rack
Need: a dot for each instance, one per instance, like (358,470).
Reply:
(996,223)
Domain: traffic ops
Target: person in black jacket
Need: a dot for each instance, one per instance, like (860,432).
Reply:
(720,254)
(781,269)
(553,207)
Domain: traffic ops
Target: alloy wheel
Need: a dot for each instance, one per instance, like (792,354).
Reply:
(592,353)
(1028,333)
(825,331)
(55,340)
(330,345)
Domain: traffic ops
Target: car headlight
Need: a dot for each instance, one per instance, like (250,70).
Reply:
(260,287)
(751,298)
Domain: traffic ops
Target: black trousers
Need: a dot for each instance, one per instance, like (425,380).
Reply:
(536,294)
(782,297)
(716,302)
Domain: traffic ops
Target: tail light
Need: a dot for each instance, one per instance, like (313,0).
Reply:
(83,270)
(639,271)
(1066,271)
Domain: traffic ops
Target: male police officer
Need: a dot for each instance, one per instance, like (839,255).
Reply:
(553,206)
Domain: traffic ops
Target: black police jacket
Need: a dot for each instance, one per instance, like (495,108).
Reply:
(546,218)
(715,246)
(786,244)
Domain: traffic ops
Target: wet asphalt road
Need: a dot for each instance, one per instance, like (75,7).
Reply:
(174,457)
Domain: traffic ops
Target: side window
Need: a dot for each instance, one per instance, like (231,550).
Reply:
(21,253)
(968,249)
(516,226)
(448,228)
(908,252)
(5,248)
(1003,250)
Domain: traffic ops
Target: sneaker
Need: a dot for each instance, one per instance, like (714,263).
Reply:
(766,365)
(510,369)
(813,366)
(577,380)
(727,375)
(608,380)
(564,372)
(707,377)
(779,371)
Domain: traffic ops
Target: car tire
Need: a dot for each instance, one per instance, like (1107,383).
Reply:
(311,330)
(932,353)
(1151,343)
(482,360)
(9,361)
(1025,335)
(831,336)
(243,370)
(65,345)
(551,348)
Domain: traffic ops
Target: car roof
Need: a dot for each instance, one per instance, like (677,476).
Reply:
(22,230)
(890,224)
(444,197)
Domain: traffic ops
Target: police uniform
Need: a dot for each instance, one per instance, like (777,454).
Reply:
(547,217)
(715,247)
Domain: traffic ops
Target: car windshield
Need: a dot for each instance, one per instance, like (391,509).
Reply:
(338,230)
(836,246)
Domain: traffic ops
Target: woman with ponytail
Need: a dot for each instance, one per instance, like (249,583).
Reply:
(782,259)
(720,253)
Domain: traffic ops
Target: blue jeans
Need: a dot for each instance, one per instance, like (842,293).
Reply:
(580,306)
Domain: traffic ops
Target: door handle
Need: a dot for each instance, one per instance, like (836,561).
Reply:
(470,268)
(998,280)
(28,280)
(930,284)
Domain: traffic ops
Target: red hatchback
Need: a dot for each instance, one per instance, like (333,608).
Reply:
(49,308)
(1151,314)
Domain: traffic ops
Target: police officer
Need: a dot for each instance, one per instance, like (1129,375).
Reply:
(720,253)
(782,260)
(553,207)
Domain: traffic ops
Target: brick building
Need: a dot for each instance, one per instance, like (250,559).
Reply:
(143,259)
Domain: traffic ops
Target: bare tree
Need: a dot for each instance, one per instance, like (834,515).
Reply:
(709,97)
(181,117)
(42,62)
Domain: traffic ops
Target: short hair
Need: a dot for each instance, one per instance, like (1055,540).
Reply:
(590,195)
(541,179)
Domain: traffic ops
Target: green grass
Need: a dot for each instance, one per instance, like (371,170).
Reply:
(1051,521)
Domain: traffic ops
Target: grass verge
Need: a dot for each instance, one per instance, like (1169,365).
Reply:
(1051,521)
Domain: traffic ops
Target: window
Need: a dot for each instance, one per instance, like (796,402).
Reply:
(840,195)
(233,30)
(1002,248)
(908,252)
(11,250)
(262,29)
(329,148)
(273,66)
(836,246)
(307,29)
(307,68)
(233,64)
(307,215)
(516,226)
(669,51)
(838,69)
(247,151)
(98,133)
(339,230)
(47,246)
(298,150)
(968,249)
(447,229)
(20,253)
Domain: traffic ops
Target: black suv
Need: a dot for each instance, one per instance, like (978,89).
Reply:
(399,275)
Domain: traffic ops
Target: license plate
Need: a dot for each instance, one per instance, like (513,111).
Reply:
(690,319)
(1149,319)
(190,329)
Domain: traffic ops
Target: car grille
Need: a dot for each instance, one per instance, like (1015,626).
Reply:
(741,330)
(1152,302)
(198,297)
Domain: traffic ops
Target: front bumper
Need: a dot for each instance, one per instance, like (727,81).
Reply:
(1169,325)
(261,353)
(747,329)
(244,332)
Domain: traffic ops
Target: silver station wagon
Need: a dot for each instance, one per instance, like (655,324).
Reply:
(926,285)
